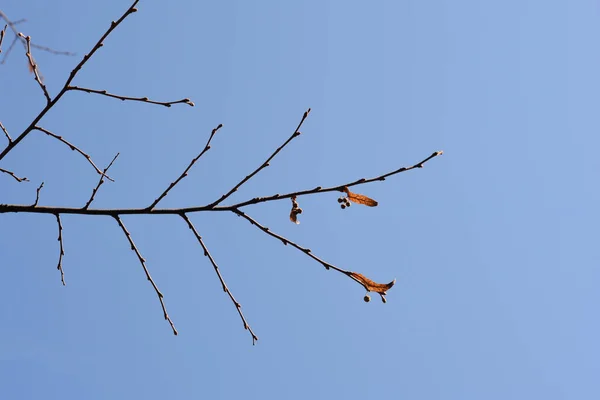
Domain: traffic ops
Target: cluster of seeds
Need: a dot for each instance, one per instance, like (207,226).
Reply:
(344,202)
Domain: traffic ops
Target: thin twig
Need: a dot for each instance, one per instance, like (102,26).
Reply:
(338,188)
(5,133)
(143,263)
(142,99)
(13,175)
(100,182)
(72,75)
(175,211)
(238,306)
(74,148)
(52,51)
(184,174)
(34,67)
(12,44)
(62,250)
(264,164)
(2,33)
(37,195)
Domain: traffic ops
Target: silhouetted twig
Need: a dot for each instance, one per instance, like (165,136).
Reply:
(62,250)
(2,33)
(238,306)
(143,263)
(100,182)
(142,99)
(74,148)
(264,164)
(13,175)
(184,174)
(37,194)
(5,132)
(34,67)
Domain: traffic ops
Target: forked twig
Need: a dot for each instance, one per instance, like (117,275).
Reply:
(264,164)
(74,148)
(100,182)
(184,174)
(123,98)
(238,306)
(34,67)
(24,179)
(148,276)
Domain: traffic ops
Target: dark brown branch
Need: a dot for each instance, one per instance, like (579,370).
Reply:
(176,211)
(72,75)
(143,263)
(74,148)
(13,175)
(100,182)
(238,306)
(37,195)
(5,132)
(265,164)
(338,188)
(142,99)
(62,250)
(184,174)
(304,250)
(34,67)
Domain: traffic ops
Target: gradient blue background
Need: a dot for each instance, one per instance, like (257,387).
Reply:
(494,244)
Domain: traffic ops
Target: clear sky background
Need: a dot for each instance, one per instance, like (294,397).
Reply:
(494,245)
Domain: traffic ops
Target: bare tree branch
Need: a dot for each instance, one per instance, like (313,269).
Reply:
(74,148)
(34,67)
(100,182)
(184,174)
(2,33)
(37,194)
(265,164)
(143,263)
(142,99)
(238,306)
(5,132)
(72,75)
(13,175)
(62,250)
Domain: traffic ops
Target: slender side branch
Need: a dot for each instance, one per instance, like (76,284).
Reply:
(143,263)
(24,179)
(338,188)
(100,182)
(72,75)
(34,67)
(304,250)
(5,133)
(37,195)
(74,148)
(265,164)
(238,306)
(142,99)
(62,250)
(184,174)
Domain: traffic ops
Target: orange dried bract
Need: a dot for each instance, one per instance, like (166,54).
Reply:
(372,286)
(359,198)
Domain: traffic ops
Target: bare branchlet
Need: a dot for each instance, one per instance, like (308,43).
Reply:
(215,206)
(62,249)
(24,179)
(2,33)
(185,172)
(142,261)
(238,306)
(74,148)
(34,68)
(100,182)
(37,195)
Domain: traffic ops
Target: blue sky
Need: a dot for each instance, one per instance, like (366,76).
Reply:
(493,245)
